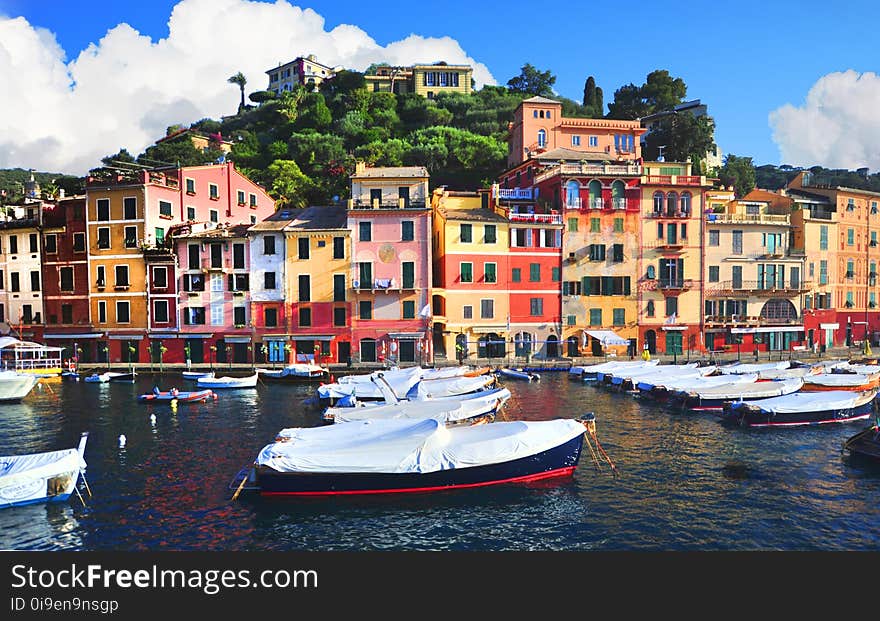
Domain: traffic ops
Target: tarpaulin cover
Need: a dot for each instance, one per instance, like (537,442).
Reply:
(690,383)
(744,367)
(610,366)
(755,390)
(444,411)
(809,402)
(430,389)
(839,379)
(406,446)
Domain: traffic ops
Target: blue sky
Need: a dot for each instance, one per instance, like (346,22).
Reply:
(744,59)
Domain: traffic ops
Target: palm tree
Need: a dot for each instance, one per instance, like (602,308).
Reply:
(239,79)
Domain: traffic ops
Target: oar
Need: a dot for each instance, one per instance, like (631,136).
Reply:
(240,486)
(83,475)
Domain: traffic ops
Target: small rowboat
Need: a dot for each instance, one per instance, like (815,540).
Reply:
(194,375)
(519,374)
(865,444)
(41,477)
(229,382)
(802,408)
(192,396)
(110,376)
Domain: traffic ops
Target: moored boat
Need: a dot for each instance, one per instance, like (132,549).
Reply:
(714,398)
(16,386)
(518,374)
(191,396)
(41,477)
(857,382)
(590,373)
(194,375)
(229,382)
(866,443)
(295,373)
(802,408)
(110,376)
(397,456)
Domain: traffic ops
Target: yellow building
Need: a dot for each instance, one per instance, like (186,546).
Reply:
(425,80)
(471,271)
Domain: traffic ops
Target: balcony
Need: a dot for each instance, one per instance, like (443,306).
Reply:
(675,284)
(678,180)
(664,213)
(751,321)
(748,218)
(515,194)
(537,218)
(618,203)
(755,288)
(615,170)
(675,245)
(211,266)
(573,203)
(386,203)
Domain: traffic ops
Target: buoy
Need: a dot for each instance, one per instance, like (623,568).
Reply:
(122,441)
(153,419)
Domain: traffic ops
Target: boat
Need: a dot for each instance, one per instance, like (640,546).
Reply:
(110,376)
(191,396)
(296,372)
(857,382)
(194,375)
(627,380)
(449,387)
(30,357)
(757,367)
(16,386)
(519,374)
(668,388)
(402,384)
(398,456)
(229,382)
(41,477)
(802,408)
(714,398)
(71,376)
(590,373)
(866,443)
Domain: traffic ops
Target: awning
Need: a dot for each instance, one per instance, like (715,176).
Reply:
(237,339)
(607,337)
(488,329)
(162,335)
(125,337)
(406,335)
(829,326)
(77,335)
(196,335)
(275,337)
(675,328)
(767,329)
(312,337)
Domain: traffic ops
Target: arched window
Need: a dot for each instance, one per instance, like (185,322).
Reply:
(548,114)
(542,138)
(779,309)
(671,203)
(651,275)
(541,114)
(617,190)
(522,343)
(572,194)
(649,309)
(658,202)
(535,113)
(686,203)
(595,194)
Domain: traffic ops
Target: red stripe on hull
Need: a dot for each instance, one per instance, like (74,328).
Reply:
(818,422)
(560,472)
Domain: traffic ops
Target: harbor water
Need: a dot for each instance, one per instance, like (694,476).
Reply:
(685,481)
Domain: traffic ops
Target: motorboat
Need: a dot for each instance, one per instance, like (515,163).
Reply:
(110,376)
(16,386)
(748,367)
(802,408)
(194,375)
(714,398)
(590,373)
(174,395)
(398,456)
(299,372)
(41,477)
(229,382)
(865,444)
(667,388)
(858,382)
(518,374)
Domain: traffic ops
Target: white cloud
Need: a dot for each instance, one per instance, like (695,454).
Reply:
(837,125)
(124,90)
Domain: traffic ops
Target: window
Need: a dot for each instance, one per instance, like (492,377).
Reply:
(130,234)
(365,231)
(555,274)
(467,312)
(534,272)
(536,307)
(671,306)
(490,235)
(160,277)
(339,287)
(467,272)
(618,316)
(465,233)
(850,269)
(575,141)
(597,252)
(305,317)
(193,256)
(408,272)
(850,237)
(103,206)
(51,243)
(66,313)
(238,256)
(100,280)
(123,312)
(516,274)
(102,312)
(487,309)
(214,215)
(79,242)
(684,231)
(365,309)
(823,272)
(104,237)
(489,273)
(240,197)
(714,237)
(714,273)
(190,186)
(303,248)
(304,286)
(339,317)
(160,311)
(407,230)
(409,309)
(823,237)
(338,247)
(850,204)
(213,191)
(617,253)
(572,225)
(595,316)
(659,230)
(253,200)
(33,242)
(570,320)
(121,272)
(239,316)
(65,276)
(618,225)
(542,138)
(737,242)
(365,276)
(35,281)
(191,213)
(649,308)
(165,209)
(270,317)
(594,141)
(160,236)
(269,280)
(216,255)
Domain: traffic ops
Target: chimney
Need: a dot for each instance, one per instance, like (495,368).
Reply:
(360,167)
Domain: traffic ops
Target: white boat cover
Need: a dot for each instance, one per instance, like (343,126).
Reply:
(401,381)
(16,385)
(22,477)
(613,365)
(838,379)
(750,390)
(656,372)
(392,375)
(444,411)
(691,383)
(228,382)
(786,373)
(433,389)
(745,367)
(407,446)
(445,372)
(489,395)
(864,369)
(822,401)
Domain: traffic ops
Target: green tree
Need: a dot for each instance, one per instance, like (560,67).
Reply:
(239,80)
(122,157)
(259,97)
(593,99)
(662,92)
(287,183)
(628,104)
(532,81)
(313,113)
(683,136)
(738,172)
